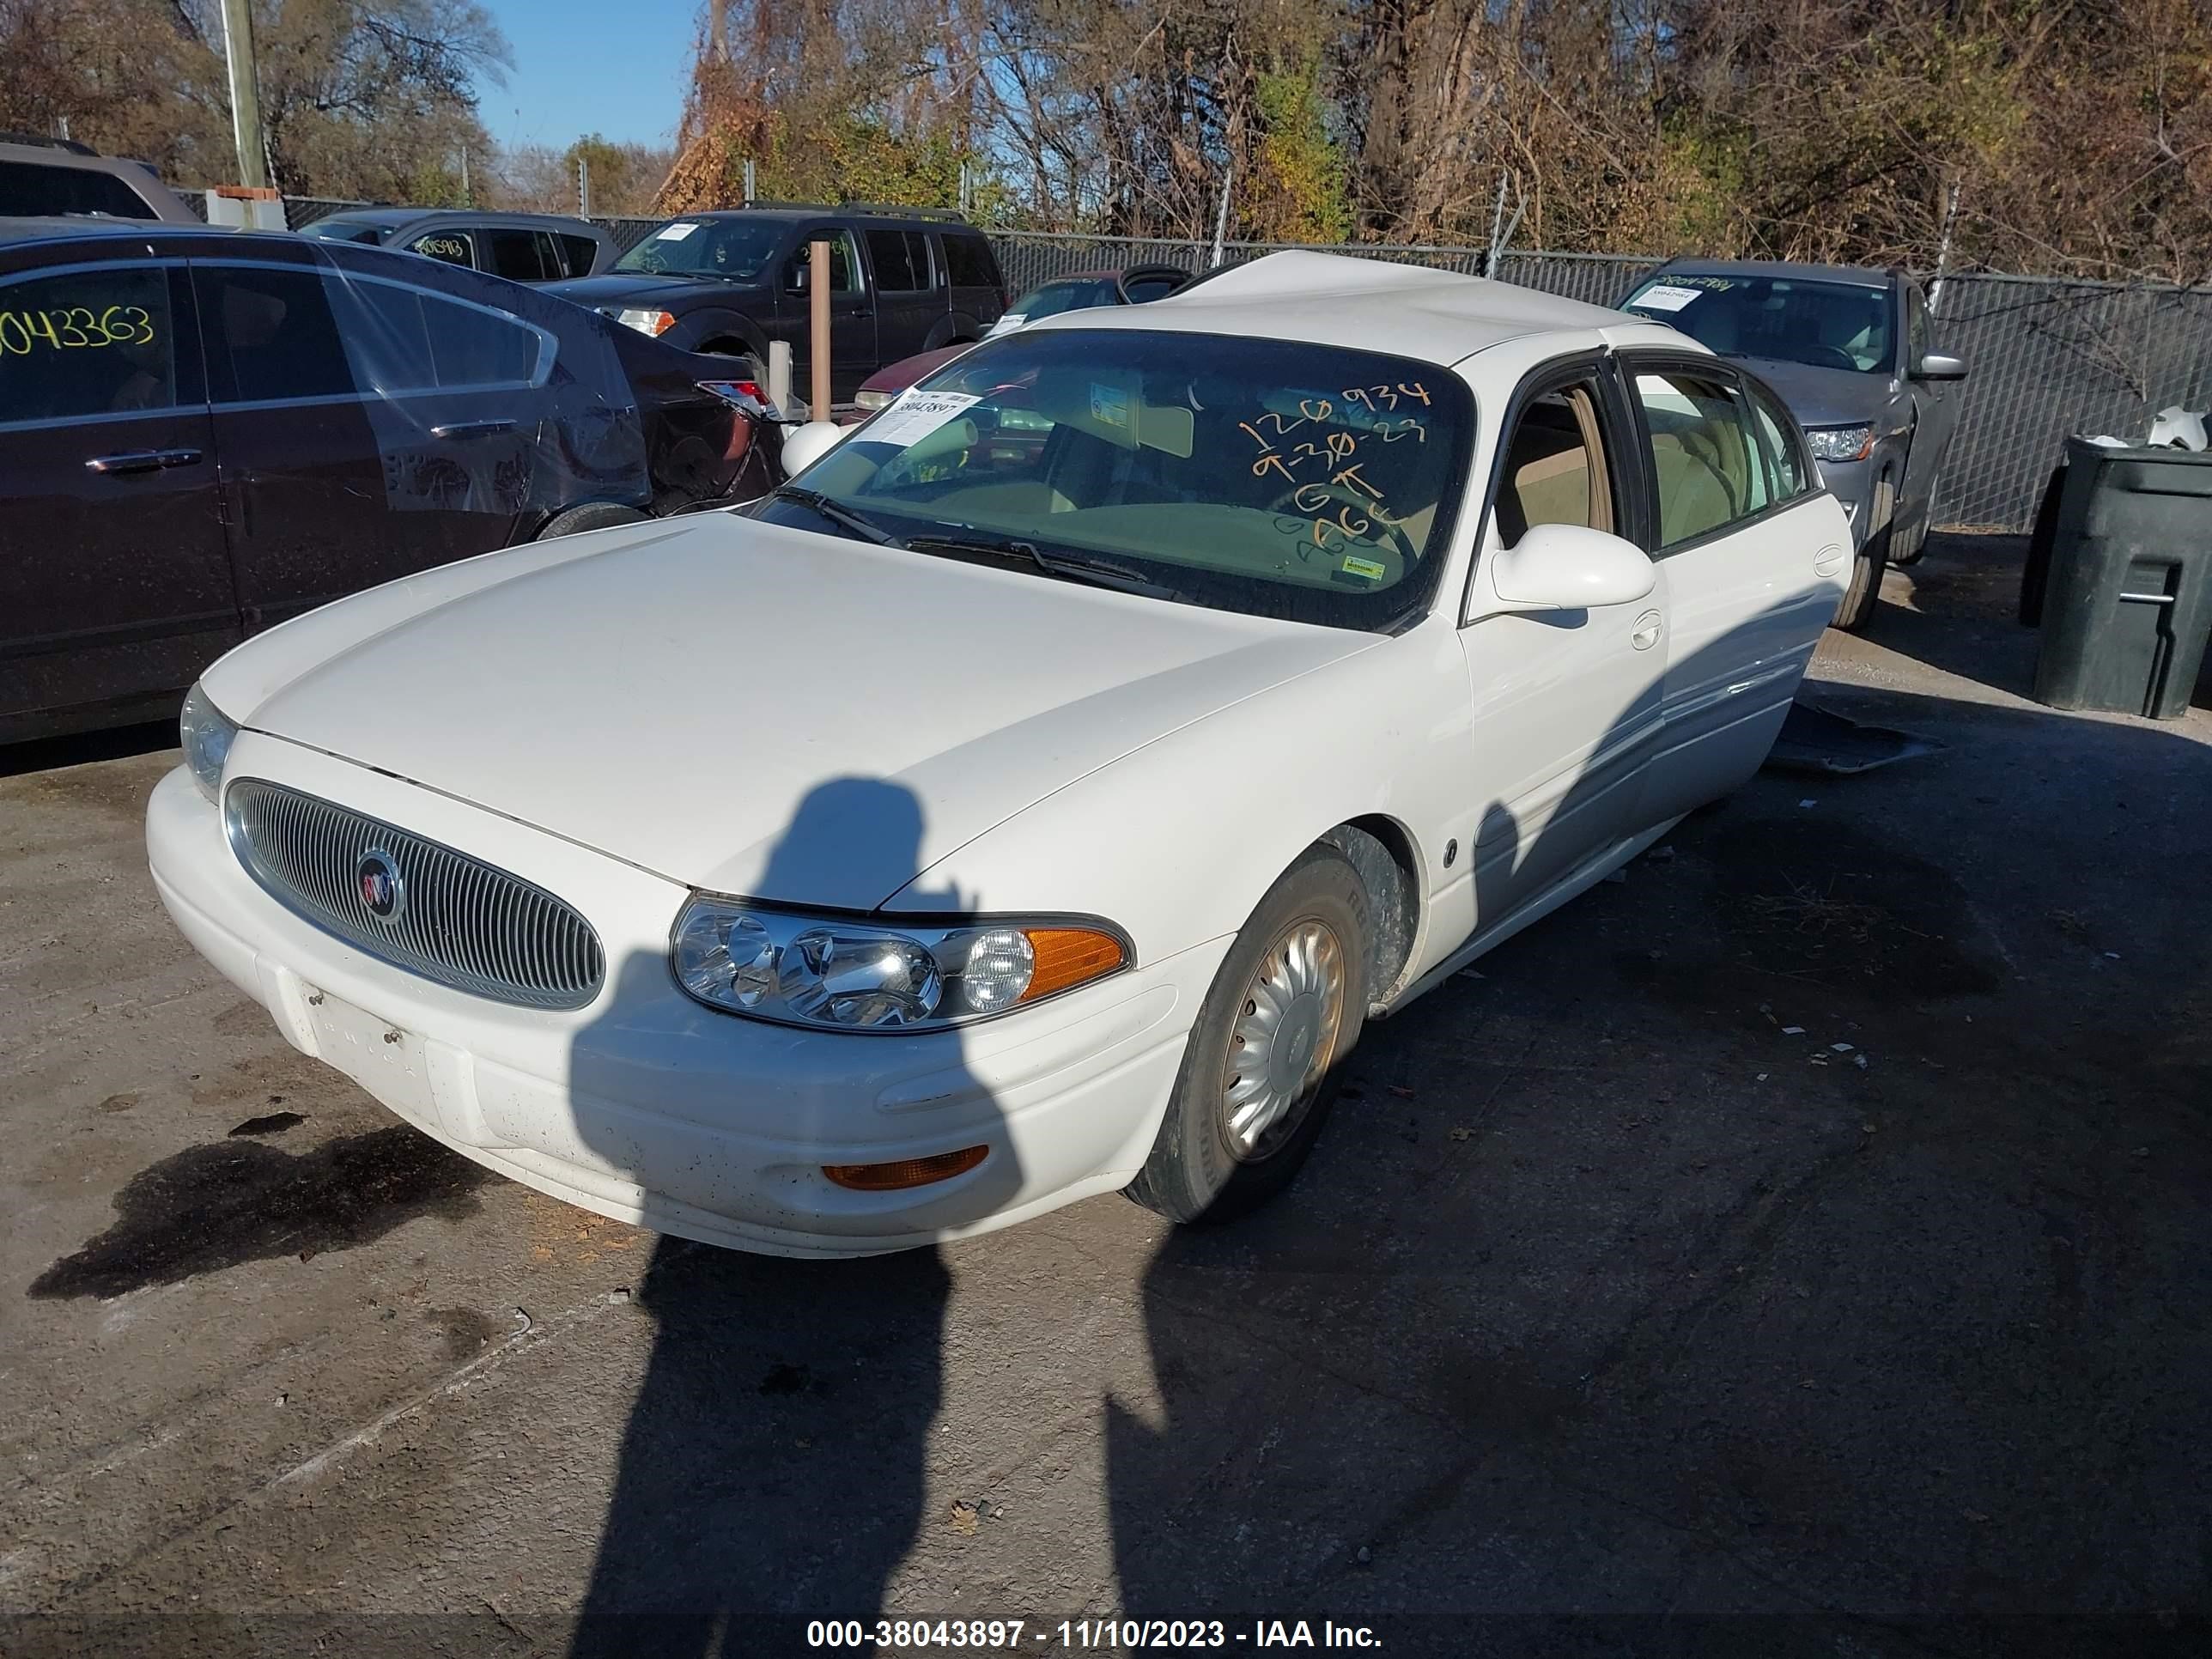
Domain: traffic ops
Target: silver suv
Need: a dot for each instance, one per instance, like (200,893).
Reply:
(50,177)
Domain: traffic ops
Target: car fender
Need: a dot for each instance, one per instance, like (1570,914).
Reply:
(1176,841)
(957,326)
(694,328)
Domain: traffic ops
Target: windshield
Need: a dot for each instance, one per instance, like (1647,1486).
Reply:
(735,250)
(1823,324)
(1274,477)
(344,230)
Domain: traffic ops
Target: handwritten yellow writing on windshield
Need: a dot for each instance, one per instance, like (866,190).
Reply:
(1328,487)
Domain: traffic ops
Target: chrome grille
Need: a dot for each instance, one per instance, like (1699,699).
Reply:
(460,921)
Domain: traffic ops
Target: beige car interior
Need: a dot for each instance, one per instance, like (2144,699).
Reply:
(1707,472)
(1555,467)
(1148,477)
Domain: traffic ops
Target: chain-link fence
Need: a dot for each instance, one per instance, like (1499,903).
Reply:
(2047,357)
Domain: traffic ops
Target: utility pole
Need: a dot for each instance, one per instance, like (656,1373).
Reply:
(583,187)
(245,94)
(468,197)
(1221,214)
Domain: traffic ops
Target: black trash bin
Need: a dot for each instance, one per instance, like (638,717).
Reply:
(2127,594)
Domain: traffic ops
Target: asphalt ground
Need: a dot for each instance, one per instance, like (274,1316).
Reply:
(1800,1246)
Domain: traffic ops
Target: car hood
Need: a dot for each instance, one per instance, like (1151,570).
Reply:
(1824,397)
(681,697)
(639,289)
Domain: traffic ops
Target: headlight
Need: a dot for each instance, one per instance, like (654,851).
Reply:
(646,321)
(867,398)
(207,733)
(859,974)
(1841,443)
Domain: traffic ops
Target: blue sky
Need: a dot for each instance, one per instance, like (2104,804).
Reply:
(586,66)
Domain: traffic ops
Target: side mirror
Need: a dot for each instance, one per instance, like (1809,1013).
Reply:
(1940,366)
(809,444)
(1561,567)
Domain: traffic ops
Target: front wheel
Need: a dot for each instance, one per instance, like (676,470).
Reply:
(1259,1072)
(591,515)
(1857,609)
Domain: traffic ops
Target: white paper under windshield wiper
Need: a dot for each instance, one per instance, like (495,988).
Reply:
(1101,572)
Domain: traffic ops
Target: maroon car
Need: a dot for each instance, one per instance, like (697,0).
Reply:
(1077,291)
(204,431)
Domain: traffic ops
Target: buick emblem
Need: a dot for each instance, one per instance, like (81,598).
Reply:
(377,878)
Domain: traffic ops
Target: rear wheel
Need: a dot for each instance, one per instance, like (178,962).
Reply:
(1857,608)
(1259,1072)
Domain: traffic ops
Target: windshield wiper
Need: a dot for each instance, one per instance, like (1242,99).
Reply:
(837,512)
(1100,572)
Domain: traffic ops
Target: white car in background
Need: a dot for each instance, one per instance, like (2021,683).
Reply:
(1013,812)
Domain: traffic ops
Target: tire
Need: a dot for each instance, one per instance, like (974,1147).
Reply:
(591,515)
(1308,937)
(1857,609)
(1906,551)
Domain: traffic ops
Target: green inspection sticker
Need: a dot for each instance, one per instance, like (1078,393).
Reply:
(1367,567)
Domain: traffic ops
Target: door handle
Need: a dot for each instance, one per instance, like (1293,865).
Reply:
(142,460)
(471,429)
(1646,633)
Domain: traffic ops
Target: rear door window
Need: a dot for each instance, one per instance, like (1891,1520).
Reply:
(1709,469)
(1792,469)
(27,190)
(86,342)
(270,334)
(407,339)
(967,260)
(892,253)
(517,255)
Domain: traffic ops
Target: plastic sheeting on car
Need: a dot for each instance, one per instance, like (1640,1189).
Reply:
(484,396)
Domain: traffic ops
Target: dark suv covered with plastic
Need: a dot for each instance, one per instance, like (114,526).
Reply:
(204,431)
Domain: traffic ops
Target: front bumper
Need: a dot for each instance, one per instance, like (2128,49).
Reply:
(1850,483)
(646,1107)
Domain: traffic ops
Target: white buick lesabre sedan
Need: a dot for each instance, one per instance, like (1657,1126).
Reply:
(1034,799)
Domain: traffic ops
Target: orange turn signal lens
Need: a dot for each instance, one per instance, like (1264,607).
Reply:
(907,1171)
(1068,957)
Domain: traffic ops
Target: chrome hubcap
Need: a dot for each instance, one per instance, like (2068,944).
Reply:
(1283,1038)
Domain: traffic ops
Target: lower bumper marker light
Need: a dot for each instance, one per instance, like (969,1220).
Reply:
(907,1171)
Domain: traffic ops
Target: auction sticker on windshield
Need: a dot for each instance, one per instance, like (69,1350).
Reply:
(1665,297)
(676,232)
(916,415)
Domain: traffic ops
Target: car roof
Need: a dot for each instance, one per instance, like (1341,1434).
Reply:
(70,226)
(58,155)
(1331,299)
(389,216)
(920,219)
(1863,276)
